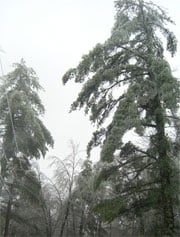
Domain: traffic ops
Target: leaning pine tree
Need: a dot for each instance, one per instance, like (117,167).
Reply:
(129,80)
(23,135)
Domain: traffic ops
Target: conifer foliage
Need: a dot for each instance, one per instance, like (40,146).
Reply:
(129,80)
(20,108)
(23,137)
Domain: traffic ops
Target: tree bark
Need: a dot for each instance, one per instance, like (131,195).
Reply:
(165,173)
(65,219)
(8,212)
(81,225)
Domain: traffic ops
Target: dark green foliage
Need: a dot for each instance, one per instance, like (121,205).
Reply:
(23,137)
(110,209)
(21,106)
(104,175)
(128,80)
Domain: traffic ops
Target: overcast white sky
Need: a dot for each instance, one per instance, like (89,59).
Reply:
(52,35)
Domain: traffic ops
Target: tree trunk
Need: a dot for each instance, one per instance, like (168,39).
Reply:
(65,219)
(8,213)
(73,221)
(165,173)
(81,225)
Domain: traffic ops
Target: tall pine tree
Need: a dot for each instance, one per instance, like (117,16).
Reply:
(129,79)
(23,135)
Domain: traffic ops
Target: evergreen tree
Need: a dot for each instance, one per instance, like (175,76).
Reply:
(20,108)
(26,214)
(89,224)
(129,80)
(23,134)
